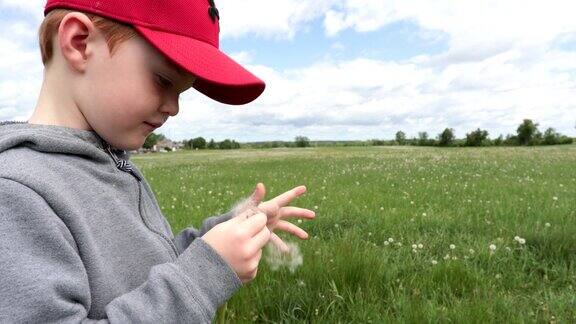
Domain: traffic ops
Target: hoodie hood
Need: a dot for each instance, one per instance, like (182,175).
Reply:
(63,140)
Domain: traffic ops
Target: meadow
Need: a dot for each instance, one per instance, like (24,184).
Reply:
(402,234)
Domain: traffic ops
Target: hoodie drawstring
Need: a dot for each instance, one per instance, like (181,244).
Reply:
(122,164)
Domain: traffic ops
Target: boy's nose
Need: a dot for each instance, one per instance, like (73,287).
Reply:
(171,106)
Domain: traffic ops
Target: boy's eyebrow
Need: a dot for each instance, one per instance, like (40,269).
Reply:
(173,67)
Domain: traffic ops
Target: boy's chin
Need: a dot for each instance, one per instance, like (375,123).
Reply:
(129,146)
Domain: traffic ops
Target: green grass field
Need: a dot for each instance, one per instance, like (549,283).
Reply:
(401,234)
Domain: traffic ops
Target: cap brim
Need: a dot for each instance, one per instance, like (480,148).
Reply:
(217,75)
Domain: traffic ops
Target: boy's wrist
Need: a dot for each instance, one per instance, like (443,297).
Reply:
(209,277)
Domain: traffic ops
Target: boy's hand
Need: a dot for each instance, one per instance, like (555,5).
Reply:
(239,241)
(277,209)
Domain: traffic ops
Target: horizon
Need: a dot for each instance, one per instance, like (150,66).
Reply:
(339,70)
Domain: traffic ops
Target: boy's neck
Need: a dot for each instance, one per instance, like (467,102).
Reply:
(56,107)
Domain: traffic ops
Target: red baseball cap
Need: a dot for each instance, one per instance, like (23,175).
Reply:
(185,31)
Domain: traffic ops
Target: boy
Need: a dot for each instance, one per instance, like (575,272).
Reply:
(82,236)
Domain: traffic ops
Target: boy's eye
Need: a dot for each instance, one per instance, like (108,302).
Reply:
(163,82)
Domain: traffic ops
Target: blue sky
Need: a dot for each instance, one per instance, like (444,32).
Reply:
(397,41)
(359,69)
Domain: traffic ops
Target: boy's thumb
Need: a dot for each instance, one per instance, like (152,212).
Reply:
(258,193)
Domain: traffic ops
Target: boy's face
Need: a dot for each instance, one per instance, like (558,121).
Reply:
(118,95)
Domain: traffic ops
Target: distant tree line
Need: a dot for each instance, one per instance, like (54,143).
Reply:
(527,134)
(199,143)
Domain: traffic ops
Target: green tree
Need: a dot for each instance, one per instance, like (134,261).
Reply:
(527,131)
(477,138)
(152,139)
(551,137)
(225,144)
(198,143)
(212,145)
(499,140)
(423,138)
(302,141)
(446,138)
(400,137)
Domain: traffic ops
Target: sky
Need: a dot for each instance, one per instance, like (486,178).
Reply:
(358,70)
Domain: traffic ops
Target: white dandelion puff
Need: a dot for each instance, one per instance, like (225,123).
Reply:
(277,259)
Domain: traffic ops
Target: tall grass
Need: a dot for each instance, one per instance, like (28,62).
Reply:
(372,205)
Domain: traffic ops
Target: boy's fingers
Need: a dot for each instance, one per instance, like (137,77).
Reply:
(259,193)
(277,241)
(292,229)
(260,239)
(285,198)
(254,223)
(242,216)
(286,212)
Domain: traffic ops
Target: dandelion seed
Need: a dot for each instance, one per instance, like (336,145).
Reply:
(471,251)
(522,241)
(454,258)
(315,207)
(420,246)
(508,249)
(424,214)
(434,262)
(447,256)
(391,240)
(452,246)
(414,246)
(369,233)
(276,258)
(498,276)
(381,208)
(336,225)
(299,221)
(516,238)
(386,243)
(547,225)
(414,250)
(492,247)
(399,244)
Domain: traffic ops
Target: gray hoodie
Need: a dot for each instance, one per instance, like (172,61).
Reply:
(82,238)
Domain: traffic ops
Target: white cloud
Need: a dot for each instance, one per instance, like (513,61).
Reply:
(278,19)
(505,62)
(242,57)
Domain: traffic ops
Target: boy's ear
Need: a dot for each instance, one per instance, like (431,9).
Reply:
(75,33)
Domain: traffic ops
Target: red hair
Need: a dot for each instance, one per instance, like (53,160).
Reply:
(115,32)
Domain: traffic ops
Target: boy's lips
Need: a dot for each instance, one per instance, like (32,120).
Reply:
(155,125)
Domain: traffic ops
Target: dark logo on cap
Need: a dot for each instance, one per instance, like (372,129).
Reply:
(212,11)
